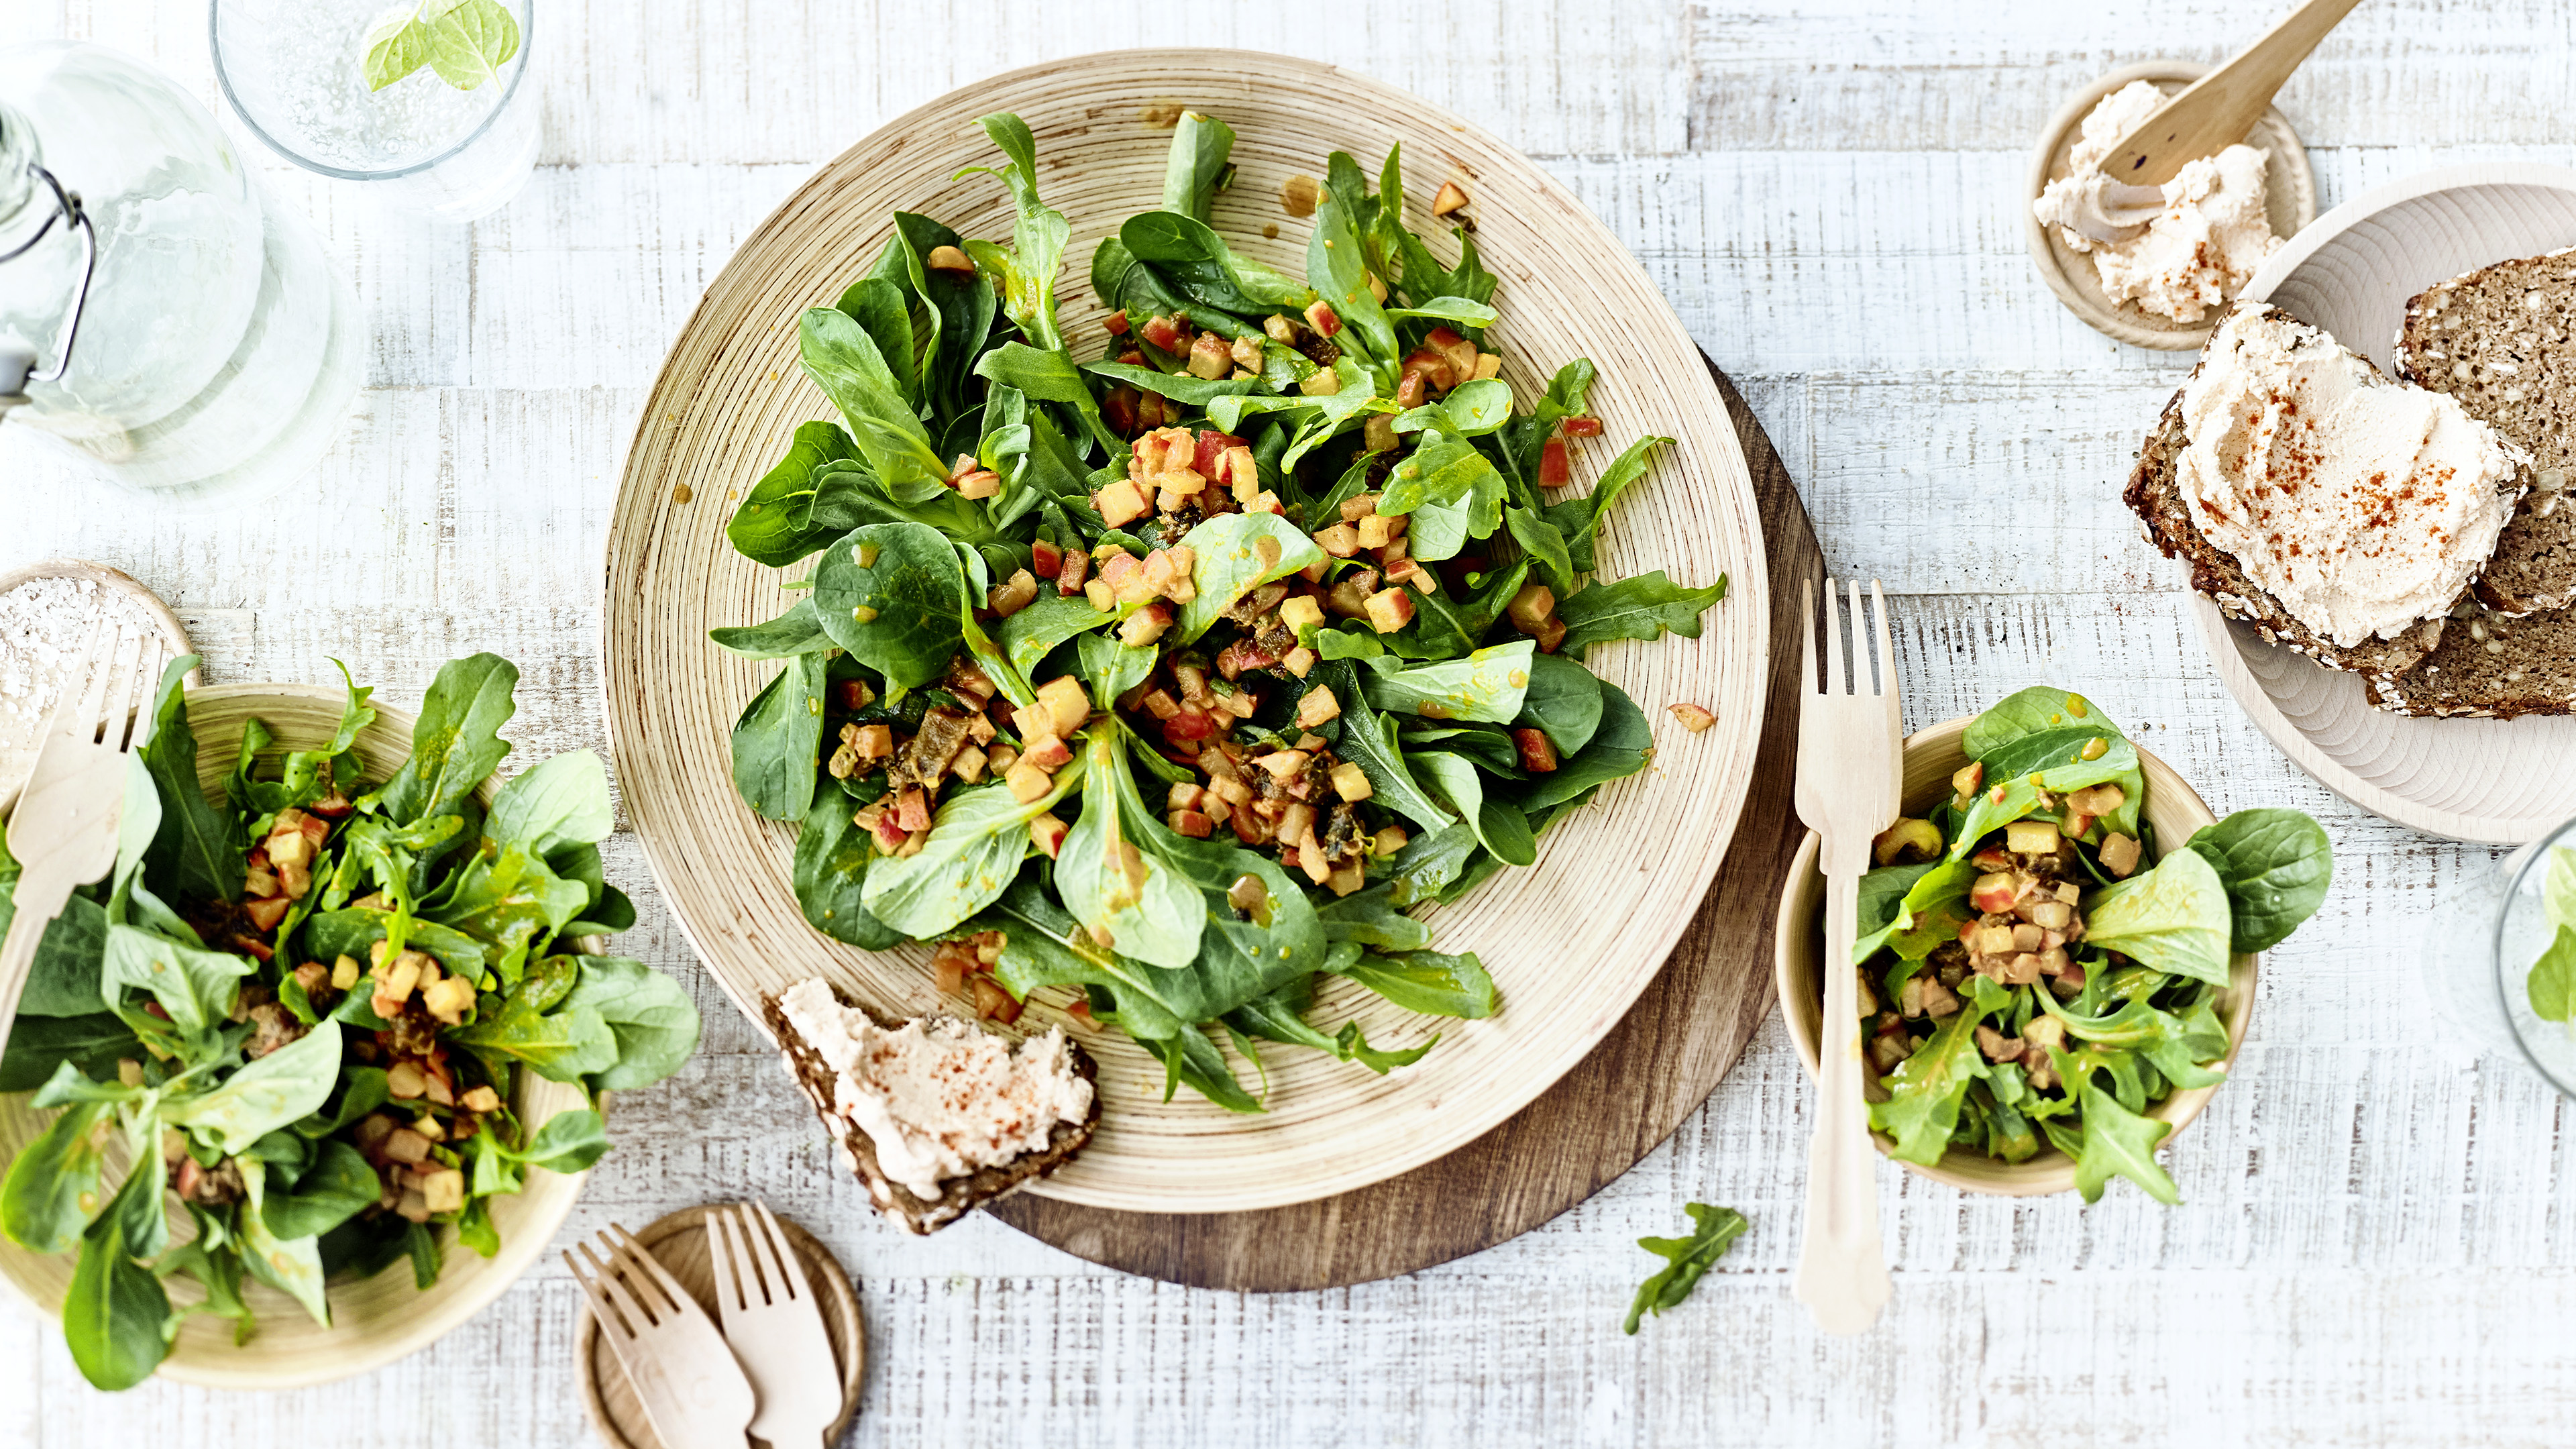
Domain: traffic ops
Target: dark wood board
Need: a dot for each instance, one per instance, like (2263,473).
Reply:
(1653,1070)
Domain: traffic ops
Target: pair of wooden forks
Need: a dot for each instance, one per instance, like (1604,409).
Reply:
(767,1370)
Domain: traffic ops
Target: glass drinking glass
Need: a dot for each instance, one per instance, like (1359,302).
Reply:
(160,313)
(2479,948)
(295,73)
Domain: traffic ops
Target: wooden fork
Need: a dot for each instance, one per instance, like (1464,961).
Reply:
(775,1325)
(63,832)
(1851,754)
(684,1375)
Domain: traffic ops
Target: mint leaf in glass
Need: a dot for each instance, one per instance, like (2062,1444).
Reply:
(466,42)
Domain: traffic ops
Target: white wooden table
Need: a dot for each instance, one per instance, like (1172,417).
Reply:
(2379,1227)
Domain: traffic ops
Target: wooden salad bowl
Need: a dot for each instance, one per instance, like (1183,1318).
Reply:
(376,1320)
(1932,756)
(1571,942)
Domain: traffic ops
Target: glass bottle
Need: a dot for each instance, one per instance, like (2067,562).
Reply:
(179,328)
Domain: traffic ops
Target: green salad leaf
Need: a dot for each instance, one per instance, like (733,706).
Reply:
(1687,1260)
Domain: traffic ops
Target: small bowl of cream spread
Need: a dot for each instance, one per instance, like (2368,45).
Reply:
(2223,216)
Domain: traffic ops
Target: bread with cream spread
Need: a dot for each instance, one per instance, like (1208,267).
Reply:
(2502,342)
(957,1196)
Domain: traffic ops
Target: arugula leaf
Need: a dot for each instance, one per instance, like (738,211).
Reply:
(1926,1089)
(1425,981)
(1371,918)
(2276,866)
(2174,918)
(1643,607)
(1580,519)
(1368,740)
(537,1024)
(509,899)
(1687,1260)
(2121,1143)
(457,742)
(1437,472)
(1336,269)
(1448,309)
(1928,912)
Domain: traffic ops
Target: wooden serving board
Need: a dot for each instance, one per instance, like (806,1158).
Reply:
(1650,1072)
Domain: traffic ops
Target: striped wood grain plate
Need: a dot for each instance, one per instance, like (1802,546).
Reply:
(1571,942)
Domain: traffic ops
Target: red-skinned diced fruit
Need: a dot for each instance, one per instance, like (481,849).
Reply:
(1538,752)
(912,809)
(1162,333)
(1452,197)
(1122,503)
(1117,323)
(890,836)
(1065,702)
(1460,352)
(1321,316)
(1994,892)
(1118,410)
(1391,610)
(1048,755)
(1189,725)
(1045,559)
(1552,469)
(1210,357)
(1531,608)
(266,914)
(1582,425)
(1070,574)
(1048,834)
(1209,456)
(1693,718)
(1190,823)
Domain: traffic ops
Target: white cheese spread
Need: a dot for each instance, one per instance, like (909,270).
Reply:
(2201,249)
(938,1097)
(2363,504)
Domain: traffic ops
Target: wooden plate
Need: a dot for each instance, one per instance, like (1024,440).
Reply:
(2290,198)
(680,1242)
(1931,757)
(2504,782)
(1655,1069)
(377,1320)
(1571,941)
(17,736)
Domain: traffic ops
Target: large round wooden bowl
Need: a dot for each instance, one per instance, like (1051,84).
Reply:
(377,1320)
(1571,941)
(1931,758)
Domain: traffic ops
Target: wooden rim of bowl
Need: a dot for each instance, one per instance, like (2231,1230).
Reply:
(291,1351)
(2290,196)
(174,635)
(1798,939)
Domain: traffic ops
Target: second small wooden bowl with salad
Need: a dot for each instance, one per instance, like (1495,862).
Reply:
(376,1319)
(2173,814)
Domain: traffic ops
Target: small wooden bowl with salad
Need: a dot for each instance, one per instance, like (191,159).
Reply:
(384,1268)
(2059,942)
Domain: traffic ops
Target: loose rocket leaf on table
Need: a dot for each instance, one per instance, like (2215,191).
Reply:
(1713,1230)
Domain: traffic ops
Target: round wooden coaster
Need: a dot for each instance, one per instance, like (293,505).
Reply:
(16,738)
(1653,1070)
(680,1242)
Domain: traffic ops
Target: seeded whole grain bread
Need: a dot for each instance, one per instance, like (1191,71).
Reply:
(2502,341)
(958,1196)
(2155,495)
(2494,666)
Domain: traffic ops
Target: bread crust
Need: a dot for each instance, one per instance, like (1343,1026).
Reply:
(2493,666)
(958,1196)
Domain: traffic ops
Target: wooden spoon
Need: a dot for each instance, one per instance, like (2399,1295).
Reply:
(2216,112)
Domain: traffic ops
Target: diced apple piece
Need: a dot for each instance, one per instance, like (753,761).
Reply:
(1145,626)
(949,259)
(1299,661)
(1048,833)
(1047,755)
(1538,752)
(1531,608)
(1010,598)
(1693,718)
(1316,706)
(1390,611)
(1378,530)
(1122,503)
(1190,823)
(2120,855)
(1163,333)
(1321,316)
(912,808)
(1995,892)
(969,763)
(1456,350)
(1066,703)
(1351,782)
(1322,382)
(1341,540)
(2031,837)
(1301,611)
(1550,636)
(2097,801)
(1378,435)
(1027,782)
(265,914)
(449,1000)
(982,483)
(1452,196)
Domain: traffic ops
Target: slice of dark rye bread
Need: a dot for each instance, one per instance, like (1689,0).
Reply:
(2155,495)
(2502,340)
(2494,666)
(958,1196)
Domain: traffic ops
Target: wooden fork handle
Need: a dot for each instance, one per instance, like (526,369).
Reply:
(1842,1265)
(35,902)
